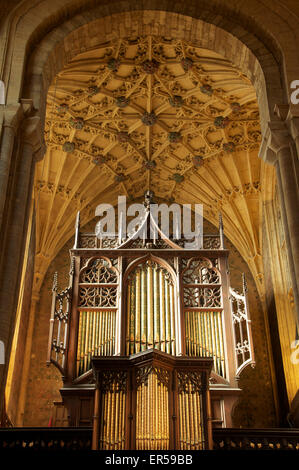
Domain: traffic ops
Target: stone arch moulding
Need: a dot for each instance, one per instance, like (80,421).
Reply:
(79,29)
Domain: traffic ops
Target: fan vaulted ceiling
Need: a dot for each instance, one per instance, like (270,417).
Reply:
(150,113)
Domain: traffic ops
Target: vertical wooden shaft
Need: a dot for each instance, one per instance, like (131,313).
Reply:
(95,430)
(209,418)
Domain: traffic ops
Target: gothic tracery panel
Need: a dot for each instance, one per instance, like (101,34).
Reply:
(98,306)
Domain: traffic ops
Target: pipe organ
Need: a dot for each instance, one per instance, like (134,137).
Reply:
(150,309)
(150,339)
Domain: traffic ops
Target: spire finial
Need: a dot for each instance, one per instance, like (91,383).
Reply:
(148,198)
(55,280)
(77,229)
(221,234)
(77,226)
(244,283)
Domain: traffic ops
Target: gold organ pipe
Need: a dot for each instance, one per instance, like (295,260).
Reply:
(116,419)
(150,415)
(167,335)
(219,318)
(192,423)
(197,332)
(187,419)
(140,419)
(184,421)
(96,342)
(194,334)
(160,416)
(156,318)
(129,316)
(123,420)
(206,335)
(189,329)
(196,420)
(166,438)
(86,341)
(132,316)
(187,314)
(162,312)
(147,432)
(217,367)
(199,407)
(214,349)
(206,341)
(111,333)
(143,312)
(143,411)
(107,334)
(89,339)
(105,420)
(150,307)
(101,423)
(156,424)
(173,350)
(137,312)
(109,418)
(79,345)
(83,339)
(114,330)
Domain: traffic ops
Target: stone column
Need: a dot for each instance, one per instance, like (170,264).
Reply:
(10,116)
(278,149)
(14,223)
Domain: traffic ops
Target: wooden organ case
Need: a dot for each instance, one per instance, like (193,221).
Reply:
(150,340)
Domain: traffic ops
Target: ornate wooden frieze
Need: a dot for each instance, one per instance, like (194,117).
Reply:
(112,380)
(187,378)
(142,375)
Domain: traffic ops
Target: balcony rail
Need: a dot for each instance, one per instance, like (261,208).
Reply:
(79,438)
(255,439)
(46,438)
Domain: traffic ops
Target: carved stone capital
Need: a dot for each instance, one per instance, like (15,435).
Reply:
(32,135)
(276,138)
(10,116)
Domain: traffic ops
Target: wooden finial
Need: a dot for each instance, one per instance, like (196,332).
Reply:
(77,229)
(55,280)
(78,221)
(221,234)
(244,283)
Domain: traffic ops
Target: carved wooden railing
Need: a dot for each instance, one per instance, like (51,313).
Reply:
(80,438)
(45,438)
(255,439)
